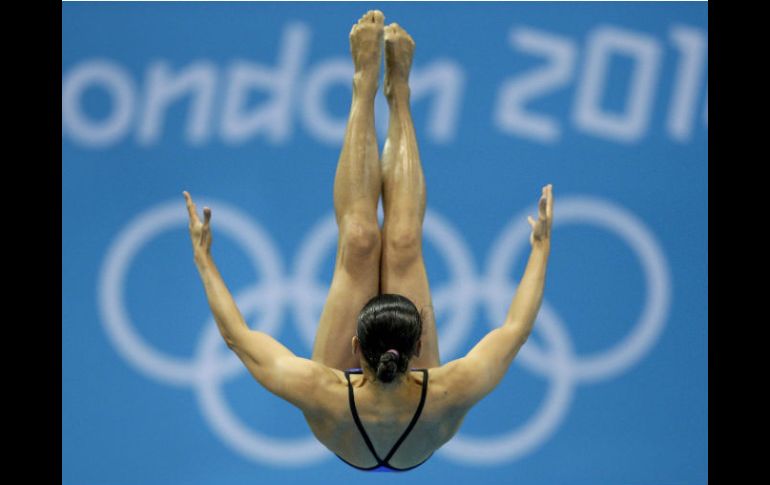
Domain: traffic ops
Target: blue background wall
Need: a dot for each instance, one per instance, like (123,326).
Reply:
(243,105)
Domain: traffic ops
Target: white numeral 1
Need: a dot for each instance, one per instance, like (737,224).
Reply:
(692,46)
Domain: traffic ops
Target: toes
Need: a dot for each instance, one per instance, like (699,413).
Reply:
(372,17)
(395,31)
(390,31)
(376,16)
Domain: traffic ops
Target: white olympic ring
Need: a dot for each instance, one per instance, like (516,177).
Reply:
(211,366)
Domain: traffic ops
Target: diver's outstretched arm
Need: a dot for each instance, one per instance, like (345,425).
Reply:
(300,381)
(231,324)
(482,369)
(529,294)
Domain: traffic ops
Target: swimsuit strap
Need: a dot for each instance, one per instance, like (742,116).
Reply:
(416,415)
(404,434)
(357,420)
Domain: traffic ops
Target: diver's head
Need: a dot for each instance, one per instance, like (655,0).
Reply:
(388,333)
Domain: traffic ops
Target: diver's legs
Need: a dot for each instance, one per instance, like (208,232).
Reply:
(403,196)
(357,186)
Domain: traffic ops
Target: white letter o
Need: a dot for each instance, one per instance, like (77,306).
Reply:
(117,82)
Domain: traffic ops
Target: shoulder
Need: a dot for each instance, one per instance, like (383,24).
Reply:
(321,378)
(309,385)
(451,384)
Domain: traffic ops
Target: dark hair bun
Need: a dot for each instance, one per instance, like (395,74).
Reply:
(386,370)
(388,330)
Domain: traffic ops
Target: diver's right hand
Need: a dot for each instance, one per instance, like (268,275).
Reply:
(541,229)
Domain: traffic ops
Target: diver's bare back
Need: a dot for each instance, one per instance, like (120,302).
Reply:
(385,421)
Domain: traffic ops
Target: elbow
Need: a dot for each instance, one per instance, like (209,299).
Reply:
(518,330)
(517,336)
(524,334)
(233,339)
(229,342)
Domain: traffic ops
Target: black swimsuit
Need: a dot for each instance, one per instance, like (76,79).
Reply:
(382,465)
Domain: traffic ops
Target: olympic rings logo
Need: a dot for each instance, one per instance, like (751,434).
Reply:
(209,368)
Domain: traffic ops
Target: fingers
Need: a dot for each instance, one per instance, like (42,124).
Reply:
(541,228)
(206,217)
(545,207)
(543,204)
(190,206)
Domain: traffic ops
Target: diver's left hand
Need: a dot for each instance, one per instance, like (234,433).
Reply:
(200,232)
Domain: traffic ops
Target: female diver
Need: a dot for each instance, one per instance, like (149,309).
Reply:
(364,392)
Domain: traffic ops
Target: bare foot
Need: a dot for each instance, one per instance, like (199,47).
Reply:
(399,49)
(365,47)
